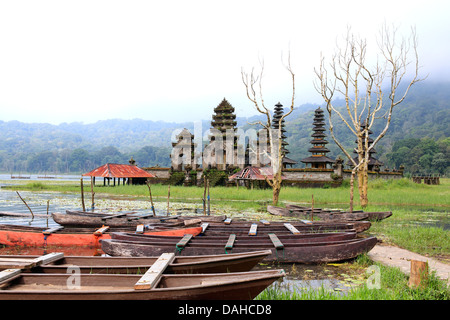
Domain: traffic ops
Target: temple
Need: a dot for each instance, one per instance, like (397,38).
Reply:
(225,162)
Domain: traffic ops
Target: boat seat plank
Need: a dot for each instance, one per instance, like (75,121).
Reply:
(230,242)
(48,258)
(291,228)
(152,276)
(101,231)
(184,241)
(163,219)
(9,274)
(276,242)
(119,215)
(253,229)
(140,228)
(142,216)
(52,230)
(227,221)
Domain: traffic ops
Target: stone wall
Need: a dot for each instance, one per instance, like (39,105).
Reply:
(304,177)
(162,174)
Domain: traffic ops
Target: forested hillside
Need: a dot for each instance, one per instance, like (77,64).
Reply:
(418,138)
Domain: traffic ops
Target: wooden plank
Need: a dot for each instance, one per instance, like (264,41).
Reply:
(152,276)
(114,216)
(101,231)
(9,274)
(163,219)
(140,228)
(291,228)
(27,263)
(227,221)
(253,229)
(142,216)
(49,258)
(276,242)
(184,241)
(52,230)
(230,242)
(204,226)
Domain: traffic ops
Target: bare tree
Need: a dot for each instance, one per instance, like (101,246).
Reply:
(253,85)
(370,92)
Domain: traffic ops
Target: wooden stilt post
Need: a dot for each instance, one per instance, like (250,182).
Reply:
(312,207)
(419,274)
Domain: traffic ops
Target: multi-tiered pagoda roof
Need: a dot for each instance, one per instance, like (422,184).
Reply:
(319,158)
(278,113)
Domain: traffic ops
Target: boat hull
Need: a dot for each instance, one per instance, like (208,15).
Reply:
(29,236)
(307,253)
(234,262)
(222,286)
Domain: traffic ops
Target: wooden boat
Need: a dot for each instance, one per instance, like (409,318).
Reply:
(16,235)
(251,241)
(318,214)
(82,219)
(295,210)
(316,252)
(233,262)
(125,219)
(302,208)
(377,216)
(264,227)
(153,285)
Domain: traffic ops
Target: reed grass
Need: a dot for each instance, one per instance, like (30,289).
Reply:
(381,192)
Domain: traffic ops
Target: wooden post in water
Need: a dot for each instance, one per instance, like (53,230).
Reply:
(419,274)
(204,195)
(82,194)
(92,194)
(151,199)
(32,214)
(168,197)
(48,205)
(209,207)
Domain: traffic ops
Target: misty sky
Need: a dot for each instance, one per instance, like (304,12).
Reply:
(66,61)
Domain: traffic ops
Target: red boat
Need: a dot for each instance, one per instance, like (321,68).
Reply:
(15,235)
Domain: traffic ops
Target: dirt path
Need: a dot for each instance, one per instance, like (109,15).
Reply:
(397,257)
